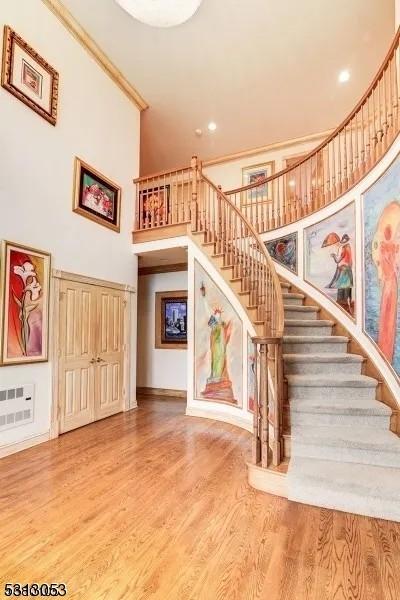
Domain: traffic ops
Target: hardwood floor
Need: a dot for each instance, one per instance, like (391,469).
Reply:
(153,504)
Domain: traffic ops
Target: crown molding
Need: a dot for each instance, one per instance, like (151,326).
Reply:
(81,35)
(268,148)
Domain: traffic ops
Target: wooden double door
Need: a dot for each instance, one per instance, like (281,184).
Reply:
(91,353)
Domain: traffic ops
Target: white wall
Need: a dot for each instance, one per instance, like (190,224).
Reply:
(158,368)
(97,123)
(239,416)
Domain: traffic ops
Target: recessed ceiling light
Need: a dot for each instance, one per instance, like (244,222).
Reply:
(212,126)
(198,132)
(344,76)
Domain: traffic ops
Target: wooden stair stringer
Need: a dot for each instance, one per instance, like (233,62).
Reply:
(235,282)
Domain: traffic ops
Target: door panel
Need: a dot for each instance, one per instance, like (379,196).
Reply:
(109,392)
(77,344)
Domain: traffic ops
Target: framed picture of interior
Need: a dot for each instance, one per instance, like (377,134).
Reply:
(155,208)
(29,76)
(254,174)
(96,197)
(171,320)
(25,284)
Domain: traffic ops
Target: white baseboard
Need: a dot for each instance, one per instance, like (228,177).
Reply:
(220,416)
(266,480)
(24,445)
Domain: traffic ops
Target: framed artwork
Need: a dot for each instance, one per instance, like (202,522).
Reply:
(171,320)
(254,174)
(218,344)
(329,255)
(96,197)
(29,77)
(25,281)
(155,205)
(284,251)
(381,264)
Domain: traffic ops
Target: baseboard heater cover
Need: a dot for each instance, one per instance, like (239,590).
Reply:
(16,405)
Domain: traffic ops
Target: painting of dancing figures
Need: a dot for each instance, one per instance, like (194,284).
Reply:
(381,222)
(218,344)
(329,248)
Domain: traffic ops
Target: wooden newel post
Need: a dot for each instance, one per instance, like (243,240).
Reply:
(264,408)
(194,202)
(256,444)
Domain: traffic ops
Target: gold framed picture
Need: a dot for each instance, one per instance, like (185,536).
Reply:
(96,197)
(28,76)
(253,174)
(25,283)
(171,320)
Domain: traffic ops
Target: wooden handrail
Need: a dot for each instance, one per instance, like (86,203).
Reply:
(251,242)
(335,165)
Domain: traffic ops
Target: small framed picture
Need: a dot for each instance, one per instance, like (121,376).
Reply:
(171,320)
(154,203)
(28,76)
(254,174)
(96,197)
(25,283)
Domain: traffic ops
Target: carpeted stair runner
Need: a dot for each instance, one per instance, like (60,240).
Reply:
(343,455)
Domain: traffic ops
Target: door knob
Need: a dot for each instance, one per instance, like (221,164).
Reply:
(98,359)
(93,361)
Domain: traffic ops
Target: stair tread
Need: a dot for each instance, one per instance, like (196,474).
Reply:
(373,480)
(335,380)
(341,406)
(309,322)
(293,295)
(326,357)
(335,339)
(301,308)
(363,438)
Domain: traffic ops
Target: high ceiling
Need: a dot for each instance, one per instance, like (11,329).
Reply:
(263,70)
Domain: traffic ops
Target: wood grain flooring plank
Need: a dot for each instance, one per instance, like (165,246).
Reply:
(154,505)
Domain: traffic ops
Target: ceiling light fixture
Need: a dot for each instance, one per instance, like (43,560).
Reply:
(161,13)
(344,76)
(212,126)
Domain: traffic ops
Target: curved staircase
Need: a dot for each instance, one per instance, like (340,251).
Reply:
(343,454)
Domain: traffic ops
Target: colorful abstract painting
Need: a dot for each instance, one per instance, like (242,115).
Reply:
(284,251)
(96,197)
(154,204)
(25,281)
(218,344)
(381,223)
(329,255)
(251,375)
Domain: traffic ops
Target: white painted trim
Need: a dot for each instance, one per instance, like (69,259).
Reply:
(272,482)
(206,413)
(180,241)
(24,444)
